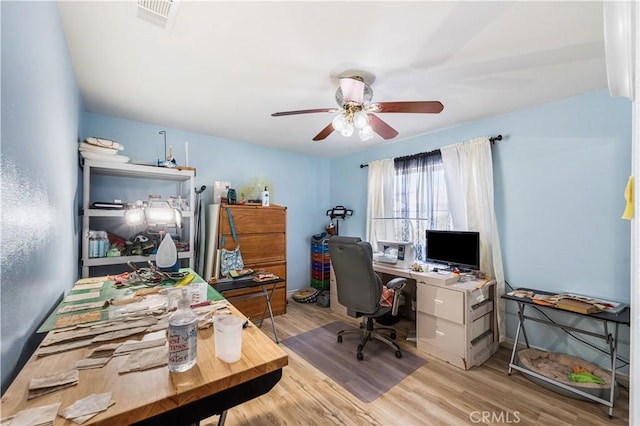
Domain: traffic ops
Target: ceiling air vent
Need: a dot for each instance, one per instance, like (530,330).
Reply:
(158,12)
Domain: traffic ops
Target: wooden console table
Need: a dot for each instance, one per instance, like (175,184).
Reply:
(621,318)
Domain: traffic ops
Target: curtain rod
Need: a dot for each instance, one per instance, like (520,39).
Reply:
(492,140)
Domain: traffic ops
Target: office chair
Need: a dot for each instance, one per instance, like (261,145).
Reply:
(360,288)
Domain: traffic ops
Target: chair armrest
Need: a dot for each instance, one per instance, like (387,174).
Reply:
(396,284)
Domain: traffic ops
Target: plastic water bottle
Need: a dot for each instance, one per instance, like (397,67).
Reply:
(183,336)
(94,249)
(265,197)
(103,243)
(167,255)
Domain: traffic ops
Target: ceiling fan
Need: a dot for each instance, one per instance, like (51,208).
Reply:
(356,111)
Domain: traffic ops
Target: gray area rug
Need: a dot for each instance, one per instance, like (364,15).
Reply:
(378,372)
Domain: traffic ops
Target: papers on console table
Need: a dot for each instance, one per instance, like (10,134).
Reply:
(556,300)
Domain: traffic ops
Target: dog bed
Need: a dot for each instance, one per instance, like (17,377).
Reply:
(557,366)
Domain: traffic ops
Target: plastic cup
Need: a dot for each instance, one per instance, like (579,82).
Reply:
(228,337)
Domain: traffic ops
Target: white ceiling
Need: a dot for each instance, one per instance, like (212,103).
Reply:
(224,67)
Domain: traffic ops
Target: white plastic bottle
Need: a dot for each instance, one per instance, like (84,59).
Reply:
(167,255)
(265,197)
(183,336)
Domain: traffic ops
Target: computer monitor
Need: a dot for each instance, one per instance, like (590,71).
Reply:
(456,249)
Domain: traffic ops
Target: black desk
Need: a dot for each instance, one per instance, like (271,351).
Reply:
(621,318)
(225,284)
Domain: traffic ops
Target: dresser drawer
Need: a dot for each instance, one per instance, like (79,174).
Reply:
(440,302)
(259,248)
(441,334)
(252,220)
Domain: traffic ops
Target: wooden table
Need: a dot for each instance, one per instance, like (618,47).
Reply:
(157,396)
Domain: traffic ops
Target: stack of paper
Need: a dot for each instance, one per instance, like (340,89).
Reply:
(85,408)
(46,384)
(44,415)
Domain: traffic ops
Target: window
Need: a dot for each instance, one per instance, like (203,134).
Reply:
(420,199)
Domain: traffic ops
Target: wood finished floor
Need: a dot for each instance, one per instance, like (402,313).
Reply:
(436,394)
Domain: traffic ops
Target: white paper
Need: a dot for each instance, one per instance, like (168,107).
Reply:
(82,296)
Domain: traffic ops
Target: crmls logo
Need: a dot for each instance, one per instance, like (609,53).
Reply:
(494,417)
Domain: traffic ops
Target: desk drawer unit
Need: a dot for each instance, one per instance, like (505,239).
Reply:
(455,323)
(439,334)
(441,302)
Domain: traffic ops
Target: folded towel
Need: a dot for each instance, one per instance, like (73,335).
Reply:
(104,143)
(90,155)
(83,146)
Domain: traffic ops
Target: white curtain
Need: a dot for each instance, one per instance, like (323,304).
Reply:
(468,171)
(379,200)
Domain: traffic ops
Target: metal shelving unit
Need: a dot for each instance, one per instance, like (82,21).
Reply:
(184,181)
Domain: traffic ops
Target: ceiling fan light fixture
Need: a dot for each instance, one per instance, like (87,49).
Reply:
(347,130)
(361,119)
(357,112)
(366,133)
(339,122)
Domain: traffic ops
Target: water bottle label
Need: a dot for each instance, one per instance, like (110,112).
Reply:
(183,340)
(93,248)
(102,248)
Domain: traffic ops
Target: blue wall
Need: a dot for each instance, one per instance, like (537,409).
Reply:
(559,177)
(40,118)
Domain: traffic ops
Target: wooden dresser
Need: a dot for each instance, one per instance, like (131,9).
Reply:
(262,236)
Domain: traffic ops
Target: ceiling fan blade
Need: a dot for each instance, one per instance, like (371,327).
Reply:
(352,89)
(304,111)
(324,133)
(382,128)
(429,107)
